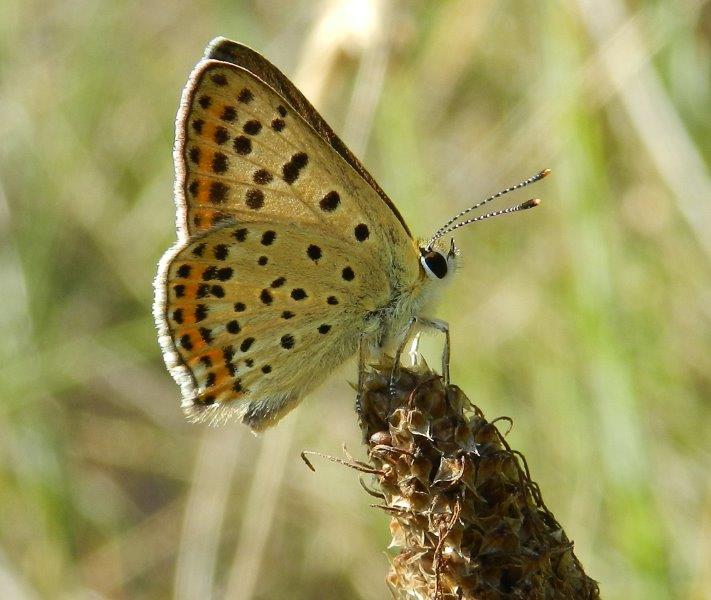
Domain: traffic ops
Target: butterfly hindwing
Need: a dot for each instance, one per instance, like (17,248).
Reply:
(255,313)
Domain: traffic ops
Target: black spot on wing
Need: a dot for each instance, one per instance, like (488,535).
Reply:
(201,312)
(313,252)
(268,238)
(291,169)
(218,192)
(252,127)
(330,201)
(221,135)
(219,163)
(298,294)
(262,177)
(186,342)
(229,114)
(245,96)
(219,79)
(242,145)
(361,232)
(220,251)
(254,198)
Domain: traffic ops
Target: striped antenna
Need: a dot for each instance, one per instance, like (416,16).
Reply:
(446,227)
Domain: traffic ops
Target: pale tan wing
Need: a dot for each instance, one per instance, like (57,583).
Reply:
(248,164)
(243,153)
(251,316)
(246,58)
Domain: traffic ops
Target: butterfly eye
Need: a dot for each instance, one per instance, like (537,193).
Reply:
(434,263)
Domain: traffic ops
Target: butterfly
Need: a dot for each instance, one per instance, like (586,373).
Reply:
(289,255)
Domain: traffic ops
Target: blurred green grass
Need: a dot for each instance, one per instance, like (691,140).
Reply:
(587,320)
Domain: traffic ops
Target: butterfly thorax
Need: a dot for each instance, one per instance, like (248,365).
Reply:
(413,293)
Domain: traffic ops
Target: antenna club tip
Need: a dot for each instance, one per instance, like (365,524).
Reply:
(544,173)
(533,202)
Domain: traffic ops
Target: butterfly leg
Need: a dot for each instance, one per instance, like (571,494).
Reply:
(414,349)
(398,355)
(361,373)
(437,324)
(442,327)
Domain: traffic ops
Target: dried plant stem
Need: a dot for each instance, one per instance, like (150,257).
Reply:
(467,520)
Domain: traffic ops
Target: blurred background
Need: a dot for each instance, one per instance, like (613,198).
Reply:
(588,320)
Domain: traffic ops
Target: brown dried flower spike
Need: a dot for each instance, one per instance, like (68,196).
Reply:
(467,519)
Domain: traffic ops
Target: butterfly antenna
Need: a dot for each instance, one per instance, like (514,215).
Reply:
(446,227)
(532,203)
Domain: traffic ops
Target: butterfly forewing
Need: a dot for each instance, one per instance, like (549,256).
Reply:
(242,56)
(246,153)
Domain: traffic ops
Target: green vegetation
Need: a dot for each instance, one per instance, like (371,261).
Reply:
(586,320)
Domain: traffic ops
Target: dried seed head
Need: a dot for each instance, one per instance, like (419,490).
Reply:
(467,520)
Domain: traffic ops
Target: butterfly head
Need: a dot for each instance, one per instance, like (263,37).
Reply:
(438,261)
